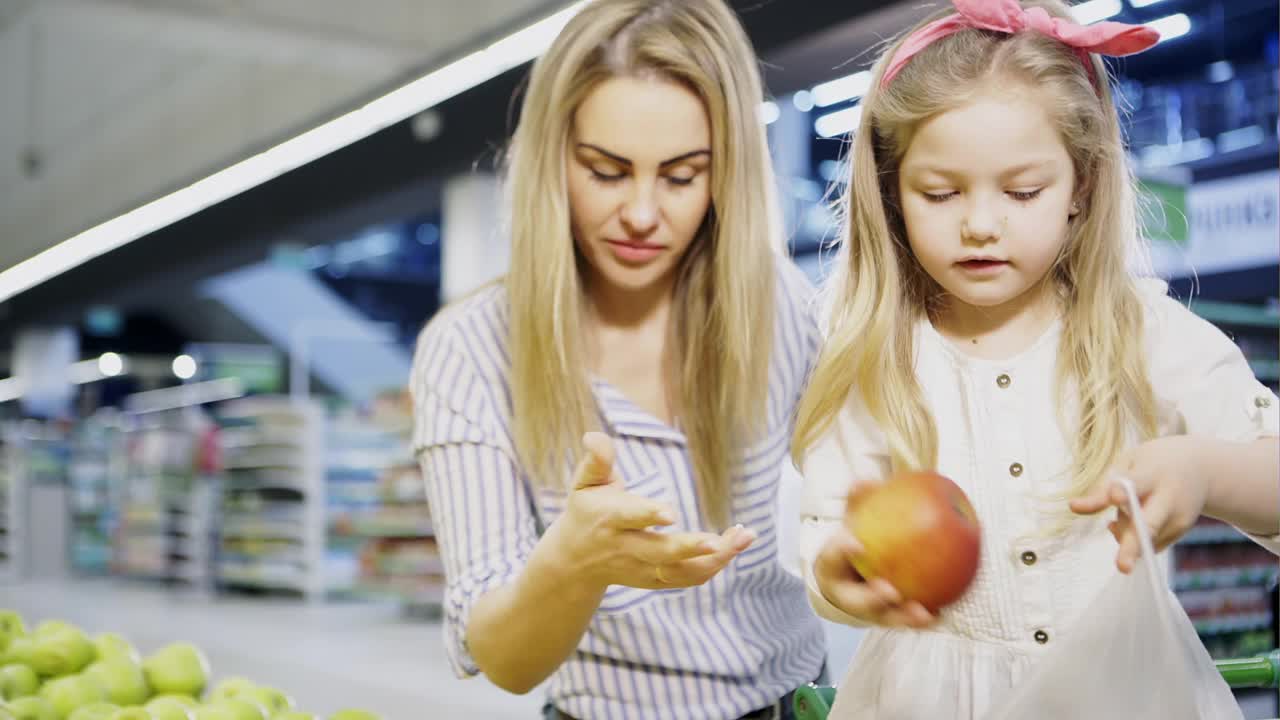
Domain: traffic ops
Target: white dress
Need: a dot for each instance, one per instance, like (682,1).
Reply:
(1000,440)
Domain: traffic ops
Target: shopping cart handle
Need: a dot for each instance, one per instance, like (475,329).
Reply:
(813,702)
(1260,671)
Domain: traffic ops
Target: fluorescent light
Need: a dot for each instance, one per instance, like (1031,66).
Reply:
(1087,13)
(110,364)
(1240,138)
(834,171)
(184,366)
(10,389)
(185,395)
(79,373)
(85,371)
(1171,26)
(1154,156)
(1144,3)
(839,122)
(1221,71)
(400,104)
(803,100)
(848,87)
(769,112)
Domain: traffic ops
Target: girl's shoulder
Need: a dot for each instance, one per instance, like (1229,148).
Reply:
(1171,326)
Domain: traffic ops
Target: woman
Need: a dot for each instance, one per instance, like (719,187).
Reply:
(602,432)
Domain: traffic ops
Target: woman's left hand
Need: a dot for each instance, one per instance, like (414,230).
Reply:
(1171,486)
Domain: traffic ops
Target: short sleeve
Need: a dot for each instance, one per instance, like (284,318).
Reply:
(852,450)
(1205,384)
(1203,378)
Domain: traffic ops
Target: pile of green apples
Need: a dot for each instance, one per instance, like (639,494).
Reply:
(57,672)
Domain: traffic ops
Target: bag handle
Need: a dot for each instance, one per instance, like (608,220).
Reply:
(1147,558)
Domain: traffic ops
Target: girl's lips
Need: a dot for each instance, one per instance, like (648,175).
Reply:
(982,266)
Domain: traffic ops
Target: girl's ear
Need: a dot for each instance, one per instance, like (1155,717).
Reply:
(1080,196)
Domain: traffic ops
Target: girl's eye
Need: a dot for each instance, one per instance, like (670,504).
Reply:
(939,197)
(679,180)
(1025,195)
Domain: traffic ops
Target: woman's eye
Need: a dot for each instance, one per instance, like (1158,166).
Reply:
(937,197)
(606,177)
(1025,195)
(679,180)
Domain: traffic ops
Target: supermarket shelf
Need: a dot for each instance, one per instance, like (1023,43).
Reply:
(256,577)
(1227,577)
(266,483)
(382,529)
(431,594)
(1265,370)
(1236,314)
(1211,534)
(263,531)
(1233,624)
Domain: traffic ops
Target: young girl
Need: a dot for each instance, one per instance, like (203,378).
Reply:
(986,323)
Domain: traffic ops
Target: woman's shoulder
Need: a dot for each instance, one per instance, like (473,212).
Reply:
(795,297)
(794,286)
(471,330)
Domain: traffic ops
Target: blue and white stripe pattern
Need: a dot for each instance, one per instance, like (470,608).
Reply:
(717,651)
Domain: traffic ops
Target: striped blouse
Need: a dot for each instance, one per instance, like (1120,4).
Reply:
(716,651)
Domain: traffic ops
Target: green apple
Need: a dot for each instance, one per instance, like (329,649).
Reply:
(271,699)
(6,713)
(213,712)
(354,715)
(18,680)
(20,650)
(185,701)
(228,688)
(131,713)
(60,651)
(242,708)
(52,626)
(33,708)
(124,681)
(11,626)
(179,668)
(94,711)
(294,715)
(112,646)
(70,692)
(170,708)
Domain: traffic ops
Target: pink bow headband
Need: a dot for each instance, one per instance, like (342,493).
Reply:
(1008,16)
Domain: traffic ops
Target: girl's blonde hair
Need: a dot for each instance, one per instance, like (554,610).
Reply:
(880,292)
(723,306)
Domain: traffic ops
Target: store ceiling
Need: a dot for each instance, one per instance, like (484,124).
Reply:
(111,103)
(123,100)
(120,101)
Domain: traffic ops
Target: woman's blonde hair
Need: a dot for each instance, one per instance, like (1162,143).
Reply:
(723,305)
(880,292)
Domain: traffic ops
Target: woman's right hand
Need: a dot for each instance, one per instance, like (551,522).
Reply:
(875,601)
(605,533)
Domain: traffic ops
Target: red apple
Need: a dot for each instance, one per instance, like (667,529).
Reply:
(919,532)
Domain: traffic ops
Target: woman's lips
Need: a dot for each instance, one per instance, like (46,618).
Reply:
(633,252)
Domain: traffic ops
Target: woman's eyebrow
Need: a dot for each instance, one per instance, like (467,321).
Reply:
(624,161)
